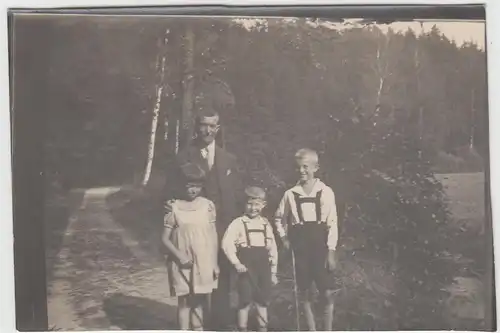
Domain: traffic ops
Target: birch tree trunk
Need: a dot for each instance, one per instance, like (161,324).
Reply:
(381,67)
(156,109)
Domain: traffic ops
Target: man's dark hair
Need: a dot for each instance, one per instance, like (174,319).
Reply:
(207,112)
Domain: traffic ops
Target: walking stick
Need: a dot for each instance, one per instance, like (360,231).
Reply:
(190,284)
(297,314)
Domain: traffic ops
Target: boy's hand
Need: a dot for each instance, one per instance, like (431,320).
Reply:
(286,244)
(167,205)
(331,261)
(240,268)
(216,273)
(274,279)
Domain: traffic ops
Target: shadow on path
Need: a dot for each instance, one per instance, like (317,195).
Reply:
(140,214)
(56,220)
(137,313)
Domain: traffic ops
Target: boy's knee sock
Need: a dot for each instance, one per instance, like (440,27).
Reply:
(243,317)
(328,317)
(328,307)
(262,317)
(311,324)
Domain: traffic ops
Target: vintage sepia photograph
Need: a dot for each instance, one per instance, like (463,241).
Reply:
(252,173)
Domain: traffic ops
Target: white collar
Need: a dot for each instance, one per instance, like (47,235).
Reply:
(211,147)
(318,186)
(246,219)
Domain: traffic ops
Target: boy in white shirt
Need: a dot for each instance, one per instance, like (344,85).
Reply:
(250,246)
(306,220)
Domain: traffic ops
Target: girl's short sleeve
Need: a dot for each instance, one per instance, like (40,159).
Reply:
(211,212)
(169,220)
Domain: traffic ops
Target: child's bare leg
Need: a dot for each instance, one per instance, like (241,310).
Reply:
(328,310)
(183,313)
(197,313)
(307,305)
(243,317)
(262,317)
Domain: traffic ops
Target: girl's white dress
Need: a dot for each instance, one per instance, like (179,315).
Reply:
(195,235)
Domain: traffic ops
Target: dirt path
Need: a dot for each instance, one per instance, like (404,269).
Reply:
(103,279)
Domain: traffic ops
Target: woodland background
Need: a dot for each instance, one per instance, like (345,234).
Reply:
(386,111)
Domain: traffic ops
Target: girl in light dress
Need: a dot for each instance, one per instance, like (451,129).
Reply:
(191,239)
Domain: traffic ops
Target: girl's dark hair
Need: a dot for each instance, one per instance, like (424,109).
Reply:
(192,173)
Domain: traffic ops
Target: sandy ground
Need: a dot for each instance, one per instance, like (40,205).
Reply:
(107,275)
(103,279)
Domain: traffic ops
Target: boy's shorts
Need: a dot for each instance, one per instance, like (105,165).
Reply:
(311,255)
(251,289)
(255,285)
(310,267)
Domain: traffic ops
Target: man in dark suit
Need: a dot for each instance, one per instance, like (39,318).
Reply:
(222,186)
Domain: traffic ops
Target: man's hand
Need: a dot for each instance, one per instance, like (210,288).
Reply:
(216,273)
(274,279)
(167,206)
(240,268)
(331,263)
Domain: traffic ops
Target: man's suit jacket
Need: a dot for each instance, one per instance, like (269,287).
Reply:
(228,180)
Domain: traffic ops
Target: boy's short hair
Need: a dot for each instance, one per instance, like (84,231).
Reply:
(306,153)
(255,192)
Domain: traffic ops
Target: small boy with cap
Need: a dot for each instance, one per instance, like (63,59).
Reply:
(250,246)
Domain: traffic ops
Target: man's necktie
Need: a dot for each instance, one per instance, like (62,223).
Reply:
(206,157)
(204,153)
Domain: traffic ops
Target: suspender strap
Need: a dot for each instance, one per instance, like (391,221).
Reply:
(248,231)
(265,235)
(300,200)
(318,206)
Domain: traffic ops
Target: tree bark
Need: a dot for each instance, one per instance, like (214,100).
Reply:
(156,109)
(420,106)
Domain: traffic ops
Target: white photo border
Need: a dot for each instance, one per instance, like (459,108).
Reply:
(7,298)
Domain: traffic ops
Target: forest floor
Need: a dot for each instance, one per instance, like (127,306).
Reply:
(469,295)
(105,269)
